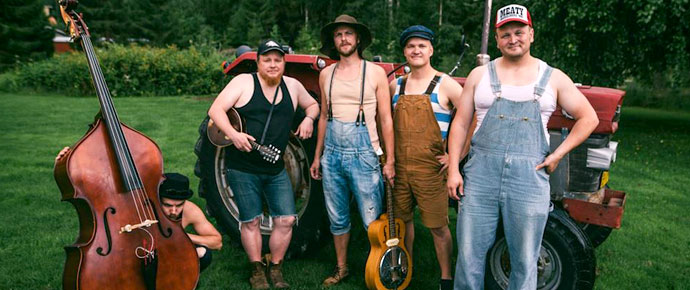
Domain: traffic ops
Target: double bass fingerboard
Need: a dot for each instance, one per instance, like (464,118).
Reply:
(128,172)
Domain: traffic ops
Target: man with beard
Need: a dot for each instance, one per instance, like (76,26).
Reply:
(267,101)
(422,105)
(354,92)
(507,174)
(174,192)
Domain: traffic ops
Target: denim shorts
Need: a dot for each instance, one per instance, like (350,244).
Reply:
(350,165)
(249,188)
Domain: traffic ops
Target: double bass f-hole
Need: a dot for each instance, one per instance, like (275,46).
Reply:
(165,233)
(99,250)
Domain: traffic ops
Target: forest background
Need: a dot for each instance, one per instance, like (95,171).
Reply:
(642,46)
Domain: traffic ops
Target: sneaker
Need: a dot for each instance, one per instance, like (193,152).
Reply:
(258,278)
(339,274)
(274,271)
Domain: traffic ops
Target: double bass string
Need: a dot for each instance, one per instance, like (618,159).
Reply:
(120,148)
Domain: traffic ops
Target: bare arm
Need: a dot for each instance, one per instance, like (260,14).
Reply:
(218,112)
(459,131)
(451,91)
(206,233)
(315,168)
(575,103)
(383,106)
(392,86)
(468,137)
(310,107)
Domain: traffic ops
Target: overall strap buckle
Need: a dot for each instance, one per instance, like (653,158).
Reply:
(432,84)
(360,114)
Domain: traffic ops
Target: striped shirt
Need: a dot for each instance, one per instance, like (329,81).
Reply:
(442,115)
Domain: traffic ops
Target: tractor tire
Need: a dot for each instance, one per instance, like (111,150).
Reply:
(566,261)
(596,234)
(312,224)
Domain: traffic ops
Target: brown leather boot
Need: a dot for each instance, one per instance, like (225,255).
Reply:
(258,278)
(274,271)
(338,275)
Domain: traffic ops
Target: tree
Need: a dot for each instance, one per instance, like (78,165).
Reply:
(307,41)
(25,32)
(104,18)
(186,25)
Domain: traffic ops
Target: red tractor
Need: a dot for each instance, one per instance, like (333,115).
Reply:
(584,211)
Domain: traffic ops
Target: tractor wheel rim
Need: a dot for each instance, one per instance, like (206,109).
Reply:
(549,265)
(297,166)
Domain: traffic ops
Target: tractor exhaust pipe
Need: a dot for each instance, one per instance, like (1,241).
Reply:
(483,58)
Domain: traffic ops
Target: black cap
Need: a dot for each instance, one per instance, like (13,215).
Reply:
(175,186)
(420,31)
(269,45)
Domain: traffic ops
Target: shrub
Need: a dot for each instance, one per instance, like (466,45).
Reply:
(641,95)
(130,71)
(9,81)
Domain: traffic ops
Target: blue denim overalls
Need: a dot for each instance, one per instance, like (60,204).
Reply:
(349,164)
(500,178)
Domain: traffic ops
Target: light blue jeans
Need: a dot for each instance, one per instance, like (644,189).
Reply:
(349,164)
(501,182)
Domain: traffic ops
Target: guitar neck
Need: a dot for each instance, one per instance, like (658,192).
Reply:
(256,146)
(389,206)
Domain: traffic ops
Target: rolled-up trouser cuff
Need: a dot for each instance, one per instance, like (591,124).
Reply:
(340,232)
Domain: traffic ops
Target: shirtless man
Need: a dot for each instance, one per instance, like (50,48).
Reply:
(174,193)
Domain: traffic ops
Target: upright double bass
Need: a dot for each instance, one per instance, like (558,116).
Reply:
(111,176)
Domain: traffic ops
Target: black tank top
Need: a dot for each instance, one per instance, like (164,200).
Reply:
(255,113)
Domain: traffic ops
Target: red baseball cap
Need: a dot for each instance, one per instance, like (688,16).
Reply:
(513,12)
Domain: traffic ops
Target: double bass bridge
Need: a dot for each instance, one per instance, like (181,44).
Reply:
(129,228)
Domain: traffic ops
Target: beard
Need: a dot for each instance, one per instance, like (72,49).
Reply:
(270,81)
(175,217)
(348,52)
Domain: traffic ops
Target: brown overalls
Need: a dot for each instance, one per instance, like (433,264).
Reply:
(417,143)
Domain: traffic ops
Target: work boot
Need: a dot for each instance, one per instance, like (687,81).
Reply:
(274,271)
(338,275)
(258,278)
(446,284)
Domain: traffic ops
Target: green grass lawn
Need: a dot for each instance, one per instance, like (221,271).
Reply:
(650,251)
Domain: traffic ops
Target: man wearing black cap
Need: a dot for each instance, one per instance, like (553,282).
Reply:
(422,105)
(267,101)
(507,174)
(353,93)
(174,192)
